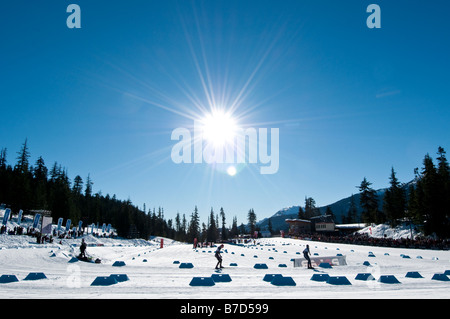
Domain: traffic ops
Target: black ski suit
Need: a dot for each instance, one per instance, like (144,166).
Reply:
(306,254)
(219,257)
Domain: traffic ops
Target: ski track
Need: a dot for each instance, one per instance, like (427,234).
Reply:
(158,277)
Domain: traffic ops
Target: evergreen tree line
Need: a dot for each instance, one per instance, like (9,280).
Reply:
(425,202)
(35,187)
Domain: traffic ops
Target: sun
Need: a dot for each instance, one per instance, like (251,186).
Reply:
(219,128)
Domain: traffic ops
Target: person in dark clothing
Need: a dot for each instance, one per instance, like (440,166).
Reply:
(306,254)
(219,257)
(83,249)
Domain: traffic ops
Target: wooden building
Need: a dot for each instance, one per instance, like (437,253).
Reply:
(298,226)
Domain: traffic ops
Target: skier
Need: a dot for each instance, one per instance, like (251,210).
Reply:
(83,249)
(219,257)
(306,254)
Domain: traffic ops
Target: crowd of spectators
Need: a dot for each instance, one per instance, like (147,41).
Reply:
(363,239)
(48,238)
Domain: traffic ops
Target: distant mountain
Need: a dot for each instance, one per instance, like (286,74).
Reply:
(339,209)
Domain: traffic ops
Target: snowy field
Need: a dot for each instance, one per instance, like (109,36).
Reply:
(152,273)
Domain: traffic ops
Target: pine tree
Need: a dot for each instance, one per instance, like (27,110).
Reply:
(443,176)
(369,203)
(204,232)
(429,184)
(3,160)
(183,227)
(310,208)
(21,188)
(178,227)
(394,201)
(23,158)
(234,228)
(40,173)
(194,226)
(212,227)
(224,229)
(251,221)
(54,172)
(88,190)
(77,185)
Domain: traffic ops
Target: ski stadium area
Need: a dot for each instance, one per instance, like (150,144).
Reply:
(262,269)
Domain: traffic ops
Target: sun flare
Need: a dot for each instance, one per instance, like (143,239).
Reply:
(219,128)
(231,170)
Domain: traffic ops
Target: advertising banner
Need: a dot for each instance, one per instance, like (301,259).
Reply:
(6,216)
(19,218)
(60,221)
(68,225)
(37,217)
(316,261)
(46,225)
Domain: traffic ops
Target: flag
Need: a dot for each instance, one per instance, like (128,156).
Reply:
(19,218)
(6,216)
(60,221)
(37,217)
(68,224)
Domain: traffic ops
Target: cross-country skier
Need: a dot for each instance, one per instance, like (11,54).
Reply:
(219,257)
(306,254)
(83,249)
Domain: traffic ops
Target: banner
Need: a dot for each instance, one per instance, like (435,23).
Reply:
(316,261)
(46,225)
(37,217)
(108,229)
(6,216)
(103,227)
(60,221)
(68,225)
(19,218)
(80,225)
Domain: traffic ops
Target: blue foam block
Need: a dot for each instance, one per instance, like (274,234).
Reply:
(202,281)
(338,280)
(283,281)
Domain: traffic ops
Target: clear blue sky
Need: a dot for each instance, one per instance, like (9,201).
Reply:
(350,102)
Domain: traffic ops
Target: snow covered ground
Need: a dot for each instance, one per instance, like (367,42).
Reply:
(153,274)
